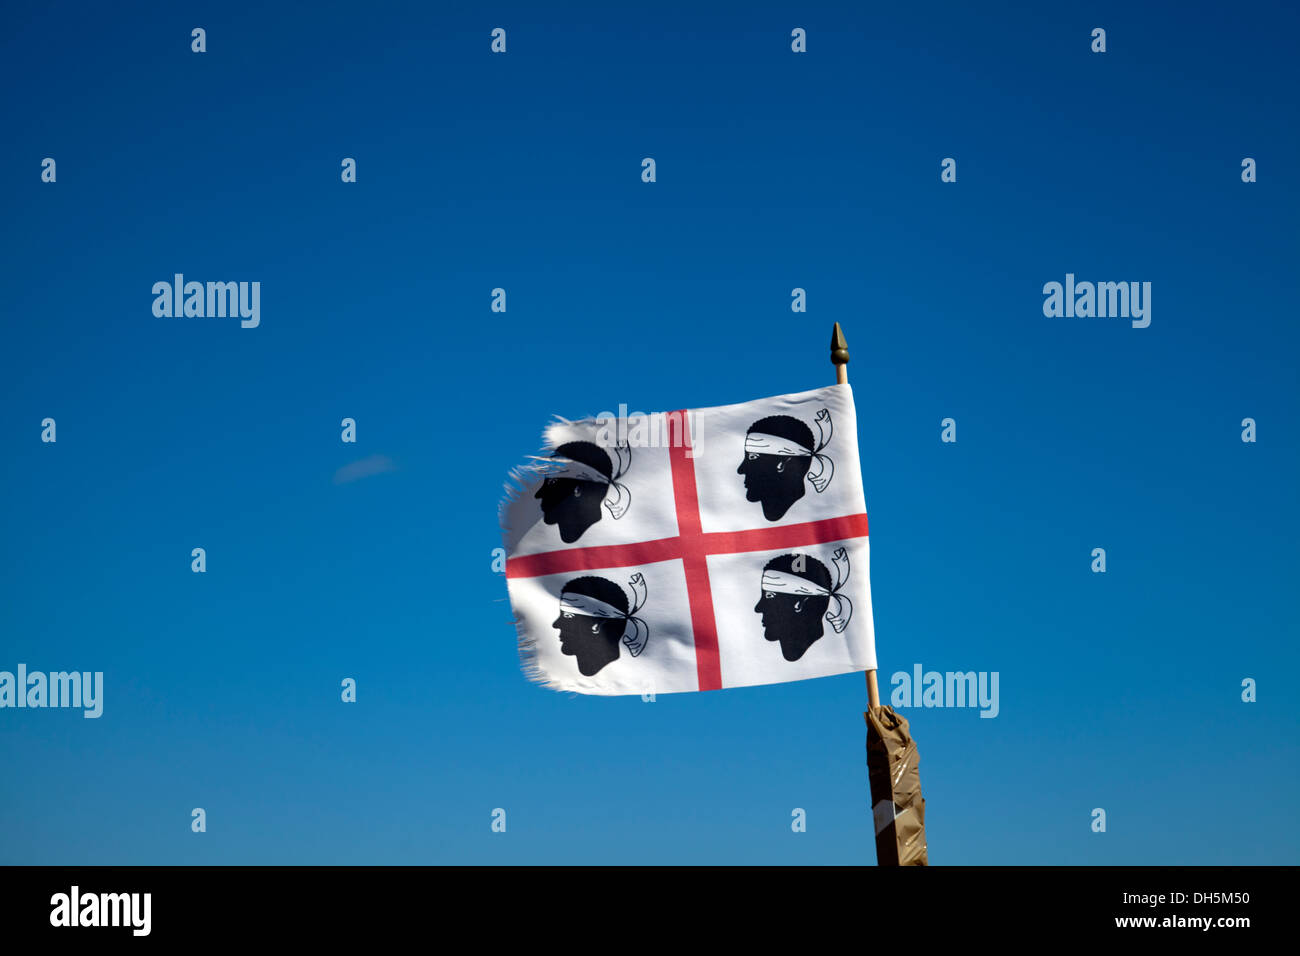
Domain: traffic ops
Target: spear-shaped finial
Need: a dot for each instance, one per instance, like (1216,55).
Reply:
(839,355)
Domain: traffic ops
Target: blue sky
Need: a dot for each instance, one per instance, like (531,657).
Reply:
(522,171)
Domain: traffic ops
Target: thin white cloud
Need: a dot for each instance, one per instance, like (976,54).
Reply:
(355,471)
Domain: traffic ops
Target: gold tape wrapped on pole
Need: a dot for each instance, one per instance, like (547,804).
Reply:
(893,767)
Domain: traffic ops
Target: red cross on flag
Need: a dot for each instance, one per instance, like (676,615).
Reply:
(693,550)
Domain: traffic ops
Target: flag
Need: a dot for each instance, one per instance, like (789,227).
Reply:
(692,550)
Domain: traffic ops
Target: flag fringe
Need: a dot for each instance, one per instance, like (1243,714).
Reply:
(520,482)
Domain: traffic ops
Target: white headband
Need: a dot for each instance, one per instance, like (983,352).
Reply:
(784,583)
(637,632)
(578,471)
(820,471)
(588,605)
(841,608)
(760,443)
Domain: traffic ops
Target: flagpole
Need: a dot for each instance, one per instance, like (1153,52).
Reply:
(840,359)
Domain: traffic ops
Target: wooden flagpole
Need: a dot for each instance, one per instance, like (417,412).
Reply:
(840,359)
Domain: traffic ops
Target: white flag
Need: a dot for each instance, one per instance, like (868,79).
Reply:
(693,550)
